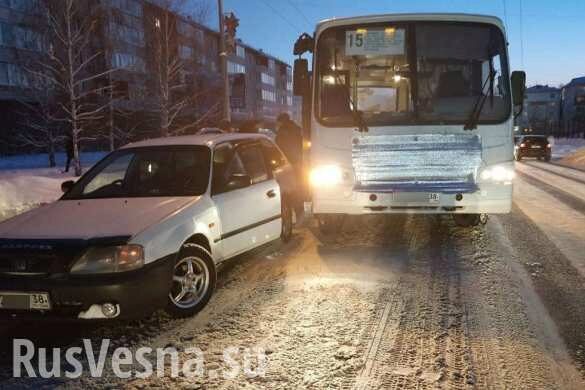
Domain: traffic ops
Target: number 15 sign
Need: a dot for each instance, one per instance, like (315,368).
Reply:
(361,42)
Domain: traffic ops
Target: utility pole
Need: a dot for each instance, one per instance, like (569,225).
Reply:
(223,63)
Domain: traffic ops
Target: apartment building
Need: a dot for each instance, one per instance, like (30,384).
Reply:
(541,110)
(261,85)
(573,108)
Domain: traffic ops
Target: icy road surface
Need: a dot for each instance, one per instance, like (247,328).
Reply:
(391,303)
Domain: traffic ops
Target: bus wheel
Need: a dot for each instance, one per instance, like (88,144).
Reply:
(330,224)
(468,220)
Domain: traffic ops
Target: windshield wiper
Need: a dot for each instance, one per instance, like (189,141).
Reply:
(358,115)
(473,119)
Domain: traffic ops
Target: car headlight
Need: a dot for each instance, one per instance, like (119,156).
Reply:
(498,173)
(102,260)
(326,176)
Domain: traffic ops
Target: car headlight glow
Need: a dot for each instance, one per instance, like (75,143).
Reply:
(111,259)
(498,173)
(326,176)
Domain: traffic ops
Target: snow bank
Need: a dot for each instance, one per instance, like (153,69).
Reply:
(24,184)
(41,160)
(562,147)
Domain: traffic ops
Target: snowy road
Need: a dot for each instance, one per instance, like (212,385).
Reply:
(393,302)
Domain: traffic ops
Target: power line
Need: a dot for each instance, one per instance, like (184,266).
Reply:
(280,15)
(296,7)
(521,34)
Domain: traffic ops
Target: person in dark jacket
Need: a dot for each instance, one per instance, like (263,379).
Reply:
(289,139)
(69,151)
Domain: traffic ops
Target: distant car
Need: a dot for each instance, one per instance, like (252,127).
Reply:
(146,228)
(210,130)
(535,146)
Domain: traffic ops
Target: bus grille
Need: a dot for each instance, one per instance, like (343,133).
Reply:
(419,163)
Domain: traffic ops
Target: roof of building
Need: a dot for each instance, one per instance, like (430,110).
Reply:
(203,139)
(541,89)
(577,81)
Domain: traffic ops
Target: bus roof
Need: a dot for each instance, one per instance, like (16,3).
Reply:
(446,17)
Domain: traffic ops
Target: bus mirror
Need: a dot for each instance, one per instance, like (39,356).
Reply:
(518,88)
(301,84)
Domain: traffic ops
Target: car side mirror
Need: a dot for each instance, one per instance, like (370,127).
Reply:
(237,181)
(66,186)
(518,80)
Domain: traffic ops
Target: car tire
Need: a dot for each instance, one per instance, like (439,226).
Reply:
(194,276)
(287,221)
(547,158)
(467,220)
(518,157)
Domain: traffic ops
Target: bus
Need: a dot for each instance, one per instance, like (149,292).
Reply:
(409,113)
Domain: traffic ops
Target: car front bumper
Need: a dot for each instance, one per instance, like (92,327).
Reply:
(136,294)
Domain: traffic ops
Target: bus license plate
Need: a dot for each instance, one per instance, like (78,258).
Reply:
(434,197)
(535,146)
(24,301)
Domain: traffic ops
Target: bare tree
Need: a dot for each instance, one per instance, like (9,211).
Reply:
(175,72)
(71,67)
(39,129)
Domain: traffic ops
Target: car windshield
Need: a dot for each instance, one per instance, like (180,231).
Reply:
(146,172)
(425,72)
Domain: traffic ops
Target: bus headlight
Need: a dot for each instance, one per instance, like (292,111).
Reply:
(326,176)
(498,173)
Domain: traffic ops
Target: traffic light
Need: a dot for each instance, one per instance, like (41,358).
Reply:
(231,23)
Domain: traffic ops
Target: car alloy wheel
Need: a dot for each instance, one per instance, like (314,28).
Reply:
(191,279)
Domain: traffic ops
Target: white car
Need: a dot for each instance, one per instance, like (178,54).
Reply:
(146,228)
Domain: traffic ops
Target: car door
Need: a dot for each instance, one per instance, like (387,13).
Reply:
(249,216)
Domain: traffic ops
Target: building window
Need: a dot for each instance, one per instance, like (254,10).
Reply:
(12,75)
(268,96)
(267,79)
(234,67)
(132,7)
(127,34)
(128,62)
(271,64)
(186,52)
(289,100)
(240,51)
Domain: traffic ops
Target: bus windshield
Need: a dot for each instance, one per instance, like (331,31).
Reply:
(412,73)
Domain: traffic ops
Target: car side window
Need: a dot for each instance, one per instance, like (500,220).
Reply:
(226,162)
(273,156)
(254,163)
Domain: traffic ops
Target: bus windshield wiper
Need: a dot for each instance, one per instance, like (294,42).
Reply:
(473,119)
(358,115)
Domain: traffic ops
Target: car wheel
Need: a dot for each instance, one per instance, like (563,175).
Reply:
(287,221)
(518,157)
(193,282)
(547,158)
(468,220)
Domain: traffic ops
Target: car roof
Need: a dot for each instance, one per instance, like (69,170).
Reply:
(209,140)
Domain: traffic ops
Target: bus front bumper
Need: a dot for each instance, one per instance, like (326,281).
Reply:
(488,199)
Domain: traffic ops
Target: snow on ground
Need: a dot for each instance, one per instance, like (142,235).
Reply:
(562,147)
(25,182)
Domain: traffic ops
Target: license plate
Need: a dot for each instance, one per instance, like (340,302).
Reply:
(24,301)
(536,146)
(434,197)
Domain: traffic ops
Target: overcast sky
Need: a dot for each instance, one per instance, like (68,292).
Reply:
(553,30)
